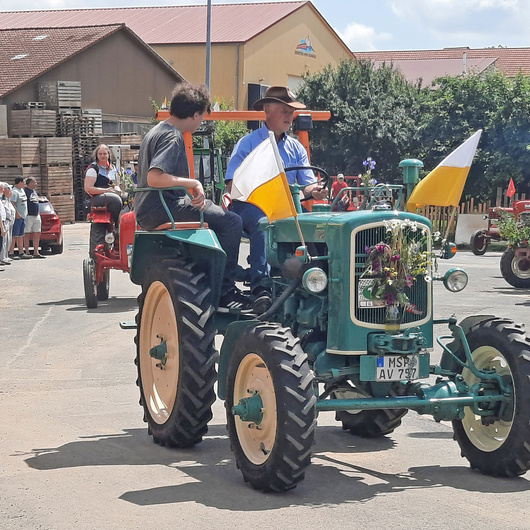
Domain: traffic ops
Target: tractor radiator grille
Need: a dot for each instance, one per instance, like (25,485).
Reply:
(418,294)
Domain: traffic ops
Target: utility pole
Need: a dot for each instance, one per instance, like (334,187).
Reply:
(208,41)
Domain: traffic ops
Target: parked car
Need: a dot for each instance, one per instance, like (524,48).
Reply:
(51,236)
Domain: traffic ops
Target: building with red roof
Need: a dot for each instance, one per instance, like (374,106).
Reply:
(430,64)
(254,45)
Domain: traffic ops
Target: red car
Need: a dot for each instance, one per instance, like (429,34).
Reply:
(51,236)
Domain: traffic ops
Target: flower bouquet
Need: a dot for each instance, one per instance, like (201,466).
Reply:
(393,265)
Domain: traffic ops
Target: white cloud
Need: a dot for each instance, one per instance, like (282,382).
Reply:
(359,37)
(449,9)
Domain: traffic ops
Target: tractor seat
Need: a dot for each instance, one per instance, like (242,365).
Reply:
(185,225)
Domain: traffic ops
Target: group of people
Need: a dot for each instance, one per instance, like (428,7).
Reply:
(20,221)
(162,163)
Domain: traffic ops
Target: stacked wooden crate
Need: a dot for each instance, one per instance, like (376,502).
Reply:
(60,94)
(56,176)
(32,123)
(19,157)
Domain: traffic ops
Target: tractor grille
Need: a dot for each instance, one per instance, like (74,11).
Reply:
(418,294)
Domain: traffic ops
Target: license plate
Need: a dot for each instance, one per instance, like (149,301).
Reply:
(396,367)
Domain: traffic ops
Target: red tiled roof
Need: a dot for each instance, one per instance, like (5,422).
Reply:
(167,25)
(510,61)
(430,69)
(27,53)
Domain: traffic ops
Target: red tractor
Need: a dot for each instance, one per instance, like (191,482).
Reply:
(110,248)
(481,238)
(515,261)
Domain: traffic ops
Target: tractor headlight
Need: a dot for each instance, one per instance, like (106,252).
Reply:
(314,280)
(109,238)
(455,280)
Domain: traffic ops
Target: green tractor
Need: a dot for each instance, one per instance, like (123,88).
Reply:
(334,339)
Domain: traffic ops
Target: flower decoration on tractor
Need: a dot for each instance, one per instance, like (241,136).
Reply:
(367,180)
(396,263)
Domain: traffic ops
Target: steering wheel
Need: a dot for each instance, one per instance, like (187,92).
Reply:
(325,181)
(381,192)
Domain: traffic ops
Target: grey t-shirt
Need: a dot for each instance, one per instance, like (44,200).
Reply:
(20,201)
(162,148)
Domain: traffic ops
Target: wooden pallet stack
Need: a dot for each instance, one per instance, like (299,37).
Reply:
(32,123)
(56,176)
(60,94)
(19,157)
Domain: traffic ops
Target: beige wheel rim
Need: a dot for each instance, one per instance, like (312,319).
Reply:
(490,437)
(520,267)
(159,383)
(257,441)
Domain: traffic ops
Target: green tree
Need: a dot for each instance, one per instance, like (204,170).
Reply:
(374,113)
(458,106)
(227,133)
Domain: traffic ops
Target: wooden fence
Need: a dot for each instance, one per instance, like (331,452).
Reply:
(444,218)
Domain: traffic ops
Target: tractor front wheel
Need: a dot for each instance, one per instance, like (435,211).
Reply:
(175,352)
(479,243)
(270,407)
(89,279)
(515,270)
(498,444)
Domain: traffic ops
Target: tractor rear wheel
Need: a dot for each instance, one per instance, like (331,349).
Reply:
(368,423)
(498,444)
(97,235)
(175,352)
(270,407)
(479,243)
(103,287)
(515,270)
(89,278)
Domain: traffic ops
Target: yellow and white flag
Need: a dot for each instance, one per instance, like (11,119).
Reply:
(444,184)
(261,180)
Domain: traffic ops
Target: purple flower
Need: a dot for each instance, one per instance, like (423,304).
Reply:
(395,257)
(390,298)
(409,280)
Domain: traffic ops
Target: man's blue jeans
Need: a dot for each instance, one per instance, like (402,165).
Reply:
(257,259)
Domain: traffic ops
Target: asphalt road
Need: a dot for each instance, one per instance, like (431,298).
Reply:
(74,451)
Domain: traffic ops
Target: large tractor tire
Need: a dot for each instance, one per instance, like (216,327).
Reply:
(267,364)
(89,278)
(175,352)
(516,271)
(368,423)
(499,444)
(479,243)
(103,288)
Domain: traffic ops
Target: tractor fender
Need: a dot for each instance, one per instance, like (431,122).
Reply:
(198,244)
(232,333)
(447,362)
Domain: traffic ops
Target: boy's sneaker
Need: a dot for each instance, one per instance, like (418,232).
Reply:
(26,256)
(234,300)
(14,256)
(262,300)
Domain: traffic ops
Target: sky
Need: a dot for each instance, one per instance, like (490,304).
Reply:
(368,25)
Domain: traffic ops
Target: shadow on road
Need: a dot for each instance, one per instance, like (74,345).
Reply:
(332,479)
(114,304)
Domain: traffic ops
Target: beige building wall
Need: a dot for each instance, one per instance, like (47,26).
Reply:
(271,58)
(190,61)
